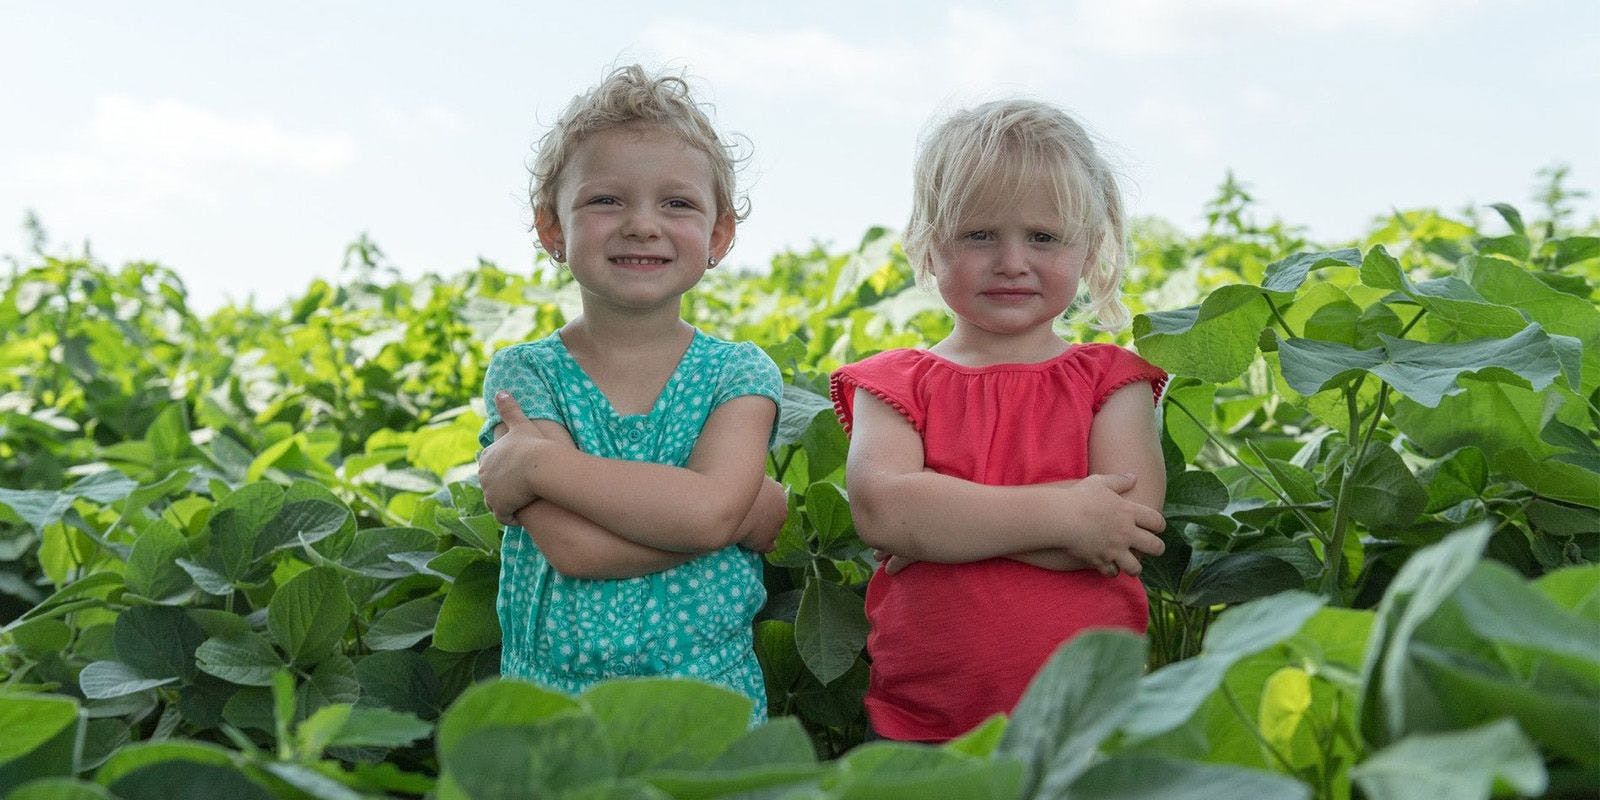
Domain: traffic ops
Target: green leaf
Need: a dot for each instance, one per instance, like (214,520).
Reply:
(181,780)
(36,507)
(546,759)
(829,514)
(404,625)
(1214,341)
(157,642)
(1550,478)
(153,571)
(796,412)
(467,620)
(1487,415)
(31,720)
(1423,584)
(982,741)
(899,771)
(1237,578)
(1287,275)
(1574,249)
(778,741)
(1512,217)
(370,550)
(644,721)
(1311,365)
(308,615)
(59,789)
(245,659)
(400,680)
(1458,764)
(1383,492)
(1500,606)
(300,522)
(235,524)
(1576,589)
(142,754)
(343,725)
(1168,697)
(499,704)
(830,629)
(102,680)
(1076,701)
(1460,476)
(1151,777)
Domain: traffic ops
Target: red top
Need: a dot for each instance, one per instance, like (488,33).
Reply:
(953,644)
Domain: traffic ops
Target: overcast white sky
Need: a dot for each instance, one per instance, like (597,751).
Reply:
(244,145)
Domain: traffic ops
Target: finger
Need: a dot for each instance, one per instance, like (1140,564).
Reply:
(1109,570)
(1150,519)
(1119,482)
(1150,544)
(508,408)
(1129,563)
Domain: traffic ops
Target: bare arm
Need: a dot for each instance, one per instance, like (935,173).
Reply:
(698,508)
(903,509)
(578,548)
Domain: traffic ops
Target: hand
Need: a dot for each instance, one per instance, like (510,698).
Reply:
(892,564)
(1111,531)
(504,466)
(764,522)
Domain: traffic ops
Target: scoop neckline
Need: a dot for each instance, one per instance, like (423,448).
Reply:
(611,408)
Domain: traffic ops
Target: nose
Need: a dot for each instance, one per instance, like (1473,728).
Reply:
(640,223)
(1011,259)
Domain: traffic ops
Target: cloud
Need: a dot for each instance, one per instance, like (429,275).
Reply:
(1185,27)
(142,151)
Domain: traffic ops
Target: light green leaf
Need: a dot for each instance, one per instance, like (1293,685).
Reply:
(102,680)
(245,659)
(795,413)
(59,789)
(1214,341)
(1076,701)
(828,512)
(499,704)
(547,759)
(32,720)
(899,771)
(1461,765)
(1287,275)
(644,721)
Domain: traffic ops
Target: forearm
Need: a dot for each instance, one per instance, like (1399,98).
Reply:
(1057,560)
(663,507)
(932,517)
(579,548)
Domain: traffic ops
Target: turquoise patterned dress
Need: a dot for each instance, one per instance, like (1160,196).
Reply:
(693,620)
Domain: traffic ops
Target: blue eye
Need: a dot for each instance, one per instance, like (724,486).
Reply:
(1040,237)
(979,236)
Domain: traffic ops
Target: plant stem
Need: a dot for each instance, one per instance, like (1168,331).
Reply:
(1271,487)
(1333,551)
(1255,730)
(1282,323)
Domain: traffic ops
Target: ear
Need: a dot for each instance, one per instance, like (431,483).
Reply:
(548,227)
(722,235)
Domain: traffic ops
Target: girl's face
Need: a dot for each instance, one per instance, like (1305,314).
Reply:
(1009,269)
(636,217)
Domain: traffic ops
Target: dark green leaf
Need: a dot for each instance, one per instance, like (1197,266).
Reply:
(182,780)
(1151,777)
(545,759)
(300,522)
(1382,492)
(1286,276)
(796,412)
(308,615)
(830,628)
(404,625)
(467,620)
(158,642)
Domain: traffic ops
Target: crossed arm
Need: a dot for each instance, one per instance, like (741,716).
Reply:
(568,500)
(1102,522)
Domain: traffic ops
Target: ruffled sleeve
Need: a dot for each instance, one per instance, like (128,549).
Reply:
(518,369)
(1116,367)
(889,376)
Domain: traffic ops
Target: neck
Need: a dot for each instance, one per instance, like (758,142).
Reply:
(609,331)
(974,347)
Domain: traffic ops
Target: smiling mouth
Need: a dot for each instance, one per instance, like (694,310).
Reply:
(640,261)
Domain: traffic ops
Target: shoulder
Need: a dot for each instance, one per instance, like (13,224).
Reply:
(1109,367)
(737,368)
(893,376)
(539,353)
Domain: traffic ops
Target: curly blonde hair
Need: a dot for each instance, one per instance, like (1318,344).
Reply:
(1004,146)
(632,96)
